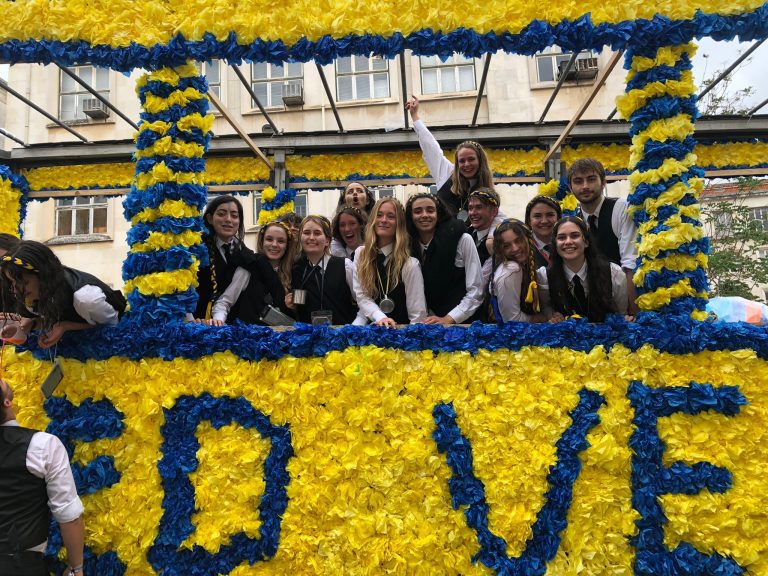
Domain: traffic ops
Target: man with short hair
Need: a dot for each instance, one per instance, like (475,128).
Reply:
(483,208)
(35,481)
(609,222)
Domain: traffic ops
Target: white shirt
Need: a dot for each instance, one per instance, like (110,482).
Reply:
(90,302)
(508,284)
(414,291)
(618,284)
(47,459)
(440,167)
(624,228)
(467,258)
(339,248)
(223,304)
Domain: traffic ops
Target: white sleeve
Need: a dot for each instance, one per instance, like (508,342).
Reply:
(47,459)
(337,248)
(415,300)
(367,307)
(224,303)
(507,285)
(439,166)
(543,283)
(619,288)
(90,302)
(626,231)
(467,258)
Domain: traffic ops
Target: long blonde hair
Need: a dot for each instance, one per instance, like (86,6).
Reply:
(461,185)
(367,272)
(286,262)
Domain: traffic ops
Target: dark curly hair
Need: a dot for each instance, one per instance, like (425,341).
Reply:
(443,215)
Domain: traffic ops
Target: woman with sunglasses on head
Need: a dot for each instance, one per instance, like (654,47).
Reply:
(470,168)
(541,213)
(348,227)
(59,298)
(322,284)
(514,283)
(450,264)
(388,284)
(579,280)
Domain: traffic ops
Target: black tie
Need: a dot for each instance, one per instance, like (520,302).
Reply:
(227,252)
(581,298)
(592,224)
(474,236)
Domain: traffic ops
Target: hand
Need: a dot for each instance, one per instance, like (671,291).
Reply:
(52,336)
(444,320)
(289,301)
(388,322)
(413,107)
(556,317)
(629,317)
(215,322)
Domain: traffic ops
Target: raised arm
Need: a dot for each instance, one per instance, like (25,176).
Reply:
(440,167)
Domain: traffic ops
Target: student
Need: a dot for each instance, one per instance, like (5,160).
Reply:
(348,227)
(514,281)
(223,218)
(483,213)
(454,180)
(324,281)
(61,299)
(541,213)
(449,262)
(358,195)
(262,279)
(607,218)
(388,284)
(579,280)
(293,221)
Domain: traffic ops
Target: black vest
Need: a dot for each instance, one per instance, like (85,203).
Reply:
(76,280)
(24,513)
(397,294)
(453,203)
(482,249)
(607,241)
(224,272)
(263,288)
(336,295)
(444,283)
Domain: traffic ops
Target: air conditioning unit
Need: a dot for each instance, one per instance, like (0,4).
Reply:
(586,67)
(95,108)
(293,94)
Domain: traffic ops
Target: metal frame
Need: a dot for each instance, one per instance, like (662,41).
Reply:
(330,97)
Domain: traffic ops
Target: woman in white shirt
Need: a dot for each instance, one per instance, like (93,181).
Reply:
(580,281)
(388,284)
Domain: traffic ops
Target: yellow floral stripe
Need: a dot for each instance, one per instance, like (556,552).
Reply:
(167,146)
(673,262)
(735,154)
(676,128)
(168,75)
(165,240)
(613,157)
(155,104)
(673,195)
(162,283)
(10,200)
(173,208)
(633,100)
(652,244)
(196,120)
(691,211)
(266,216)
(666,56)
(223,170)
(80,176)
(663,296)
(161,173)
(669,168)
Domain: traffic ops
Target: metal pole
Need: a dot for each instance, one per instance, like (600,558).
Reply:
(255,98)
(404,88)
(330,96)
(98,96)
(12,92)
(12,137)
(560,81)
(239,129)
(481,88)
(756,108)
(730,68)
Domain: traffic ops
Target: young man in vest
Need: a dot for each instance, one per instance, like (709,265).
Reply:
(609,223)
(483,208)
(35,481)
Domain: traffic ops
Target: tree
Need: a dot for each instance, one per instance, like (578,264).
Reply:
(723,99)
(737,266)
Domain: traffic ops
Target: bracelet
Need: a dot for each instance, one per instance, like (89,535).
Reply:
(73,570)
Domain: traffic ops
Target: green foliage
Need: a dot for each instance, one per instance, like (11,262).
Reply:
(723,99)
(735,264)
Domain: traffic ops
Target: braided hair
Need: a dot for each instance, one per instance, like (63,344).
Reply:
(529,293)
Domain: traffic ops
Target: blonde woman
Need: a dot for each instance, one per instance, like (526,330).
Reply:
(387,281)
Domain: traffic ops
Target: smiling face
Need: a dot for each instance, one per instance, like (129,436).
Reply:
(275,244)
(587,187)
(481,215)
(424,215)
(225,221)
(570,243)
(543,218)
(468,162)
(514,247)
(385,225)
(355,195)
(314,242)
(350,231)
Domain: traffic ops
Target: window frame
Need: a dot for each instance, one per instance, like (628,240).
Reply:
(441,68)
(269,80)
(371,71)
(217,86)
(760,214)
(94,203)
(559,56)
(79,91)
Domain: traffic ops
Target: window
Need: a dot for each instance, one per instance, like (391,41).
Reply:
(76,216)
(267,81)
(361,78)
(457,74)
(760,215)
(299,205)
(72,95)
(722,223)
(386,192)
(549,63)
(212,72)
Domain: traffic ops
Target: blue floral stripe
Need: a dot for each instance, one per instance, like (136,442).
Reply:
(175,258)
(175,163)
(154,195)
(140,231)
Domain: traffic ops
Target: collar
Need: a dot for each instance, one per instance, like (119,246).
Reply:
(323,261)
(539,244)
(582,273)
(597,210)
(387,250)
(220,243)
(10,423)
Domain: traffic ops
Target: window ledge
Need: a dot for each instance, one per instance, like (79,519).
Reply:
(566,84)
(448,95)
(74,123)
(78,239)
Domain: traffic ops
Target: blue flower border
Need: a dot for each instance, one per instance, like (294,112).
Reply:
(179,459)
(20,183)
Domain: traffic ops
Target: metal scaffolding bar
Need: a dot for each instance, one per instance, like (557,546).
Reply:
(330,96)
(404,87)
(255,98)
(481,88)
(560,81)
